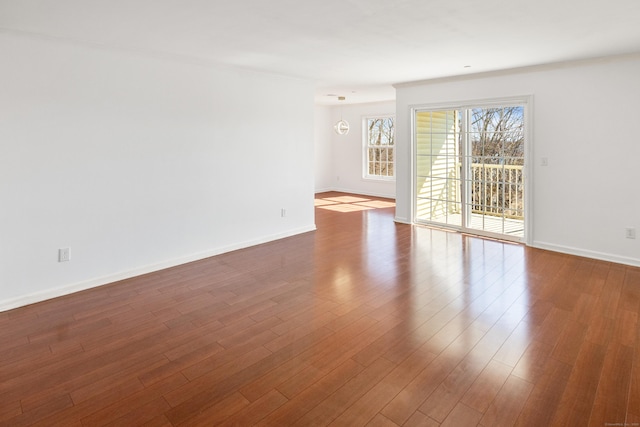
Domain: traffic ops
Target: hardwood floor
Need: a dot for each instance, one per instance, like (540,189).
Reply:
(363,322)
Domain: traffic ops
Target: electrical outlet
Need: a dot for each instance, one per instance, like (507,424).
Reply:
(64,254)
(630,233)
(283,212)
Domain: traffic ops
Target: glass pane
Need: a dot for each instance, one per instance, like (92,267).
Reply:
(423,187)
(423,209)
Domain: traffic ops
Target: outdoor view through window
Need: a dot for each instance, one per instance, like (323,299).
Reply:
(469,169)
(379,147)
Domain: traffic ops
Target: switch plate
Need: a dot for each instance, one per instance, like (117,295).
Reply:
(64,254)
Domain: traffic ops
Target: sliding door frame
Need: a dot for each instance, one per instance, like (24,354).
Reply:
(526,102)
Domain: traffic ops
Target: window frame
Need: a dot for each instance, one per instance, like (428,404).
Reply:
(365,148)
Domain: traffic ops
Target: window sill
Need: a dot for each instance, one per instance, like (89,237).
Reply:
(378,179)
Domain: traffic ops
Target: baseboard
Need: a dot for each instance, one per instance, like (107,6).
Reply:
(603,256)
(402,220)
(36,297)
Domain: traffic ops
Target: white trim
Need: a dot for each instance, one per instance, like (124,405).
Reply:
(413,153)
(365,148)
(400,220)
(529,166)
(603,256)
(33,298)
(323,190)
(375,178)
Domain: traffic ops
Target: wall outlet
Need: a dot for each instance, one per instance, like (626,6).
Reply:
(64,254)
(283,212)
(630,233)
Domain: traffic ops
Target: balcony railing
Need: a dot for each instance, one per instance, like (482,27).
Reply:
(497,190)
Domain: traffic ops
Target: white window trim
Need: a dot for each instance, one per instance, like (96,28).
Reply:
(365,149)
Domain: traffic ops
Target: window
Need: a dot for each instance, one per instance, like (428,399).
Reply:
(379,152)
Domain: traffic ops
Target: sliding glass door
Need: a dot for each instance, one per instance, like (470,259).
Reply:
(469,171)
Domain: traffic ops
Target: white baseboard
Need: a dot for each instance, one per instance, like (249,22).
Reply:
(323,190)
(36,297)
(587,253)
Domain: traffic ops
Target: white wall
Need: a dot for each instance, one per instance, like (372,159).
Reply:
(344,172)
(139,162)
(323,149)
(584,120)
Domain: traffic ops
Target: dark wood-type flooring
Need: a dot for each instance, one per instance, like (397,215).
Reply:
(363,322)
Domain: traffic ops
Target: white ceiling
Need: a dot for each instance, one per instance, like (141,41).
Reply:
(355,48)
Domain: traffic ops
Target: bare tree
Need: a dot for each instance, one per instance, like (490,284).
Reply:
(498,133)
(497,138)
(381,146)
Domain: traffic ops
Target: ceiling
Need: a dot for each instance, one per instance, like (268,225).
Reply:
(353,48)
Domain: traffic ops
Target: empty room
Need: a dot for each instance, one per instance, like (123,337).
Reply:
(357,212)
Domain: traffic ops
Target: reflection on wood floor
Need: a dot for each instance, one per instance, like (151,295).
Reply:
(363,322)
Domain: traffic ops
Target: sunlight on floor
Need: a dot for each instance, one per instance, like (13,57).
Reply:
(351,204)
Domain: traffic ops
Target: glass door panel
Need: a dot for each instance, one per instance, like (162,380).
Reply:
(469,170)
(438,181)
(495,161)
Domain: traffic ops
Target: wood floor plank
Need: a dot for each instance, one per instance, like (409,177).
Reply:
(424,384)
(634,387)
(506,407)
(462,415)
(577,400)
(569,342)
(310,397)
(486,387)
(522,336)
(257,410)
(142,414)
(219,412)
(612,397)
(197,394)
(418,419)
(134,401)
(453,388)
(362,322)
(546,393)
(293,371)
(51,407)
(350,404)
(9,409)
(381,421)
